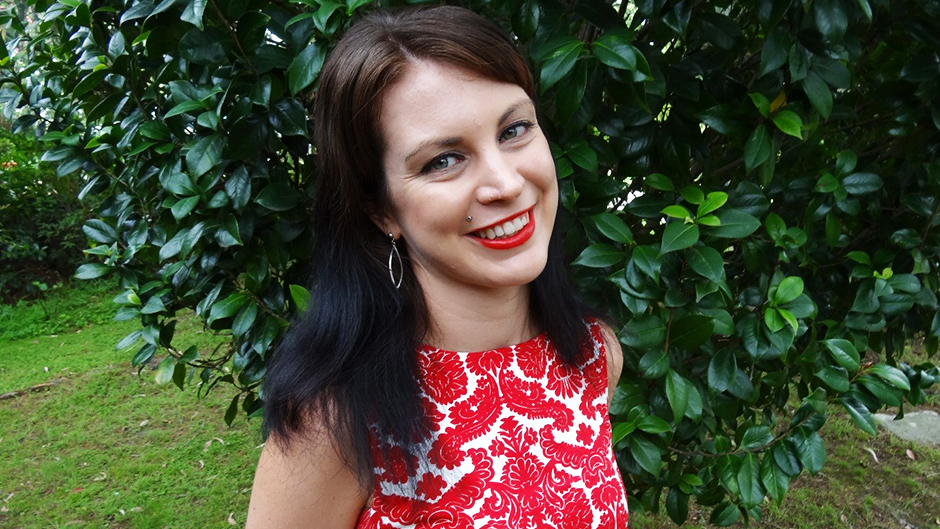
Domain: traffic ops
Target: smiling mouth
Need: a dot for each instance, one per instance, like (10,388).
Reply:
(504,229)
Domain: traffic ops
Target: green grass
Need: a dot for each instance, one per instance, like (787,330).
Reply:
(106,448)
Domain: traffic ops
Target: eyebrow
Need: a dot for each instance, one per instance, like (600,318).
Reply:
(454,140)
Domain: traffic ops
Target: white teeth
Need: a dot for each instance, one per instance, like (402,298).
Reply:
(505,229)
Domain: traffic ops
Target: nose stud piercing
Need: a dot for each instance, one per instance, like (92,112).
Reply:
(469,218)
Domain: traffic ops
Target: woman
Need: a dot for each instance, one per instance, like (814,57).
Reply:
(434,221)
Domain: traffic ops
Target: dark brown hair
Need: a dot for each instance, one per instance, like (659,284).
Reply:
(351,359)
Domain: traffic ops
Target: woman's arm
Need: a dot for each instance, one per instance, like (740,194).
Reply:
(306,485)
(614,359)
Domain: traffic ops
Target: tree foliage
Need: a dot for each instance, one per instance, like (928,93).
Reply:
(40,220)
(750,189)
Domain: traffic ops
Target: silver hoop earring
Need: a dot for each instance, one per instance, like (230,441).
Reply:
(395,256)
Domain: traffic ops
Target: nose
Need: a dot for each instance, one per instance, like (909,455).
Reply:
(500,179)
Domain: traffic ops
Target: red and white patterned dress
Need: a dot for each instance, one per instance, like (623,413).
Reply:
(520,440)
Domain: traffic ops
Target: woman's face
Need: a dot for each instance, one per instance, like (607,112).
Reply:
(459,145)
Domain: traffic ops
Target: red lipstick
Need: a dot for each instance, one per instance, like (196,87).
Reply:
(505,243)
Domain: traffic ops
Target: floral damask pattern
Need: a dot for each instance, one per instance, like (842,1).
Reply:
(520,440)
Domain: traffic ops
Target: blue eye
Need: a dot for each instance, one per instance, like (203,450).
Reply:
(441,163)
(515,130)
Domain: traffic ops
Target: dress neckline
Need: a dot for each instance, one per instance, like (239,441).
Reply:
(425,348)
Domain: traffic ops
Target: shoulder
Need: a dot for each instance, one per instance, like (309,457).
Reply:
(304,483)
(614,354)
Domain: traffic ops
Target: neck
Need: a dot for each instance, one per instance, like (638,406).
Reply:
(463,319)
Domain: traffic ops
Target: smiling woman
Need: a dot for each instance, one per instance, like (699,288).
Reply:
(471,389)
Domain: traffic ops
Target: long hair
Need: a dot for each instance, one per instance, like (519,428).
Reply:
(349,364)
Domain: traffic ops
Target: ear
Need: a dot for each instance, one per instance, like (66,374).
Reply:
(383,220)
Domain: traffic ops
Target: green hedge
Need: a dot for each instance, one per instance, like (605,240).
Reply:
(749,188)
(40,220)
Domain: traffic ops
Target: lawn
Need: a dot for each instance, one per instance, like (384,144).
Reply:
(95,445)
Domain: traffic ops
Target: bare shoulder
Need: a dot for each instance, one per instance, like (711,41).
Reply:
(614,358)
(306,484)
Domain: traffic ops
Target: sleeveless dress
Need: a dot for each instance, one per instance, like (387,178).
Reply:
(519,440)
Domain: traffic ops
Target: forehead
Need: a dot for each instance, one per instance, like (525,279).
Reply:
(432,98)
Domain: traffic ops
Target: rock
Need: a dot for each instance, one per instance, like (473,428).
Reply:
(921,427)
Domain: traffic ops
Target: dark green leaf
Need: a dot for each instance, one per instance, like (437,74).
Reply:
(612,227)
(834,377)
(645,332)
(100,231)
(583,156)
(891,375)
(721,370)
(659,181)
(232,410)
(756,437)
(560,61)
(646,454)
(653,364)
(165,371)
(677,236)
(279,197)
(289,117)
(775,481)
(184,207)
(238,188)
(648,261)
(691,331)
(228,307)
(860,415)
(153,306)
(831,18)
(757,149)
(205,154)
(735,224)
(615,50)
(186,107)
(707,262)
(245,318)
(677,505)
(678,394)
(725,514)
(599,255)
(143,355)
(193,12)
(812,453)
(621,430)
(203,47)
(844,353)
(818,94)
(92,271)
(305,67)
(749,482)
(653,424)
(862,183)
(774,51)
